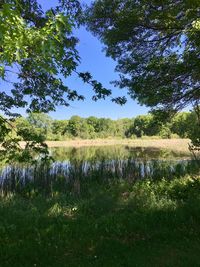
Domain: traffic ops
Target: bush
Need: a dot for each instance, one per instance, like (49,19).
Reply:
(165,132)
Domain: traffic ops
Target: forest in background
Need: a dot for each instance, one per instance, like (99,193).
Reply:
(46,128)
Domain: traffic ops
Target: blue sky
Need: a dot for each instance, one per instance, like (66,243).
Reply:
(102,68)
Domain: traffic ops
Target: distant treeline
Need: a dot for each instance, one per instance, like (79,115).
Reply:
(90,128)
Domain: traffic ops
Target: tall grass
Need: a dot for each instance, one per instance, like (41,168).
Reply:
(72,176)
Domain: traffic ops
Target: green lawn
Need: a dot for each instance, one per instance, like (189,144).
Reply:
(120,225)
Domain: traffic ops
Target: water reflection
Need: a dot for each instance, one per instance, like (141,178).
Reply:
(115,152)
(75,166)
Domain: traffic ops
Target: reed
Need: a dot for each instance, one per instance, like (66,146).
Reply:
(71,176)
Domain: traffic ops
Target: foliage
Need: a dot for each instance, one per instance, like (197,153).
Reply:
(40,120)
(165,132)
(145,125)
(37,46)
(194,132)
(37,53)
(156,46)
(184,125)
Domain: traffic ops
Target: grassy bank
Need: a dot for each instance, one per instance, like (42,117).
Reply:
(120,224)
(175,144)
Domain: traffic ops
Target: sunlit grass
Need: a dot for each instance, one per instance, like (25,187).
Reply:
(175,144)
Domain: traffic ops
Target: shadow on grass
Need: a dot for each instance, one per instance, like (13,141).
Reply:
(142,224)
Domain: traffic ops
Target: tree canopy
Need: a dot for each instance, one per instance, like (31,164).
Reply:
(156,45)
(141,126)
(36,46)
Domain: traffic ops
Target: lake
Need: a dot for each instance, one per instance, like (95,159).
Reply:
(75,167)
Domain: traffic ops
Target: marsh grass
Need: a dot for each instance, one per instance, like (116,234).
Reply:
(71,177)
(176,144)
(116,224)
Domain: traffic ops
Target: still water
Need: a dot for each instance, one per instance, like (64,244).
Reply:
(101,164)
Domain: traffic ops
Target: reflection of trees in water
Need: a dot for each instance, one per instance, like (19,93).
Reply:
(113,152)
(89,153)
